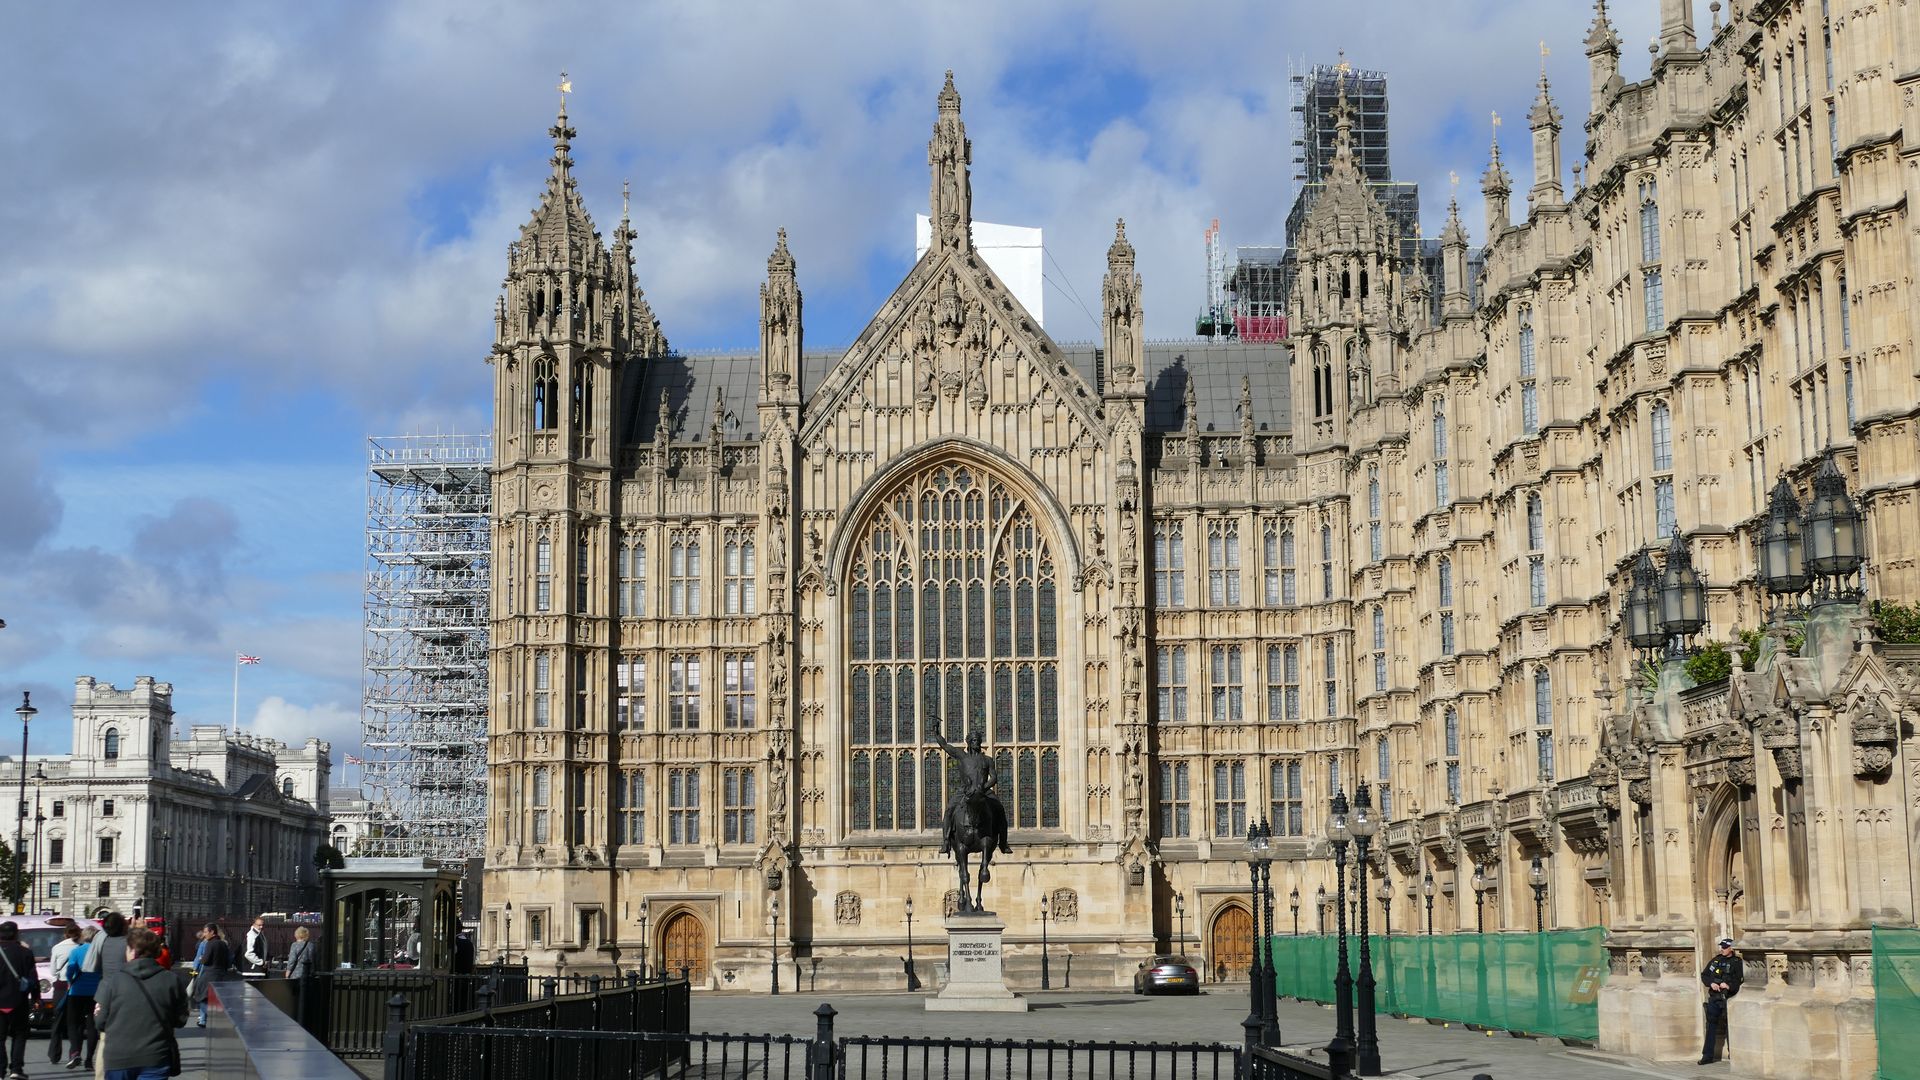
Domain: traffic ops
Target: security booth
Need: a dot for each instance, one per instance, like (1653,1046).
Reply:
(393,914)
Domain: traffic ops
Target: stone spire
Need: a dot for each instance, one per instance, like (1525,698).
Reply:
(1676,26)
(949,156)
(1544,119)
(779,325)
(1603,58)
(1121,314)
(1496,185)
(560,229)
(1454,299)
(1343,165)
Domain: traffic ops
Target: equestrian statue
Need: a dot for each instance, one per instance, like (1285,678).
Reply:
(976,819)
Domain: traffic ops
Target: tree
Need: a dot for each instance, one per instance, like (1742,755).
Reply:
(12,892)
(328,857)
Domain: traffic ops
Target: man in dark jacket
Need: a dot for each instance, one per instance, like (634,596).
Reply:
(19,993)
(1721,977)
(138,1009)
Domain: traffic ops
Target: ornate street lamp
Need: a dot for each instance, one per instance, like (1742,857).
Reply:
(1293,898)
(1338,834)
(1259,854)
(1640,612)
(1426,886)
(645,973)
(1833,532)
(913,980)
(1385,893)
(1363,825)
(1320,905)
(1781,547)
(1046,975)
(1537,877)
(506,938)
(26,712)
(1683,599)
(1180,909)
(773,905)
(1479,899)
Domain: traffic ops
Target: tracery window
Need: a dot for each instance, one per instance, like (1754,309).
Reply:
(1543,722)
(953,619)
(633,577)
(1286,800)
(1223,563)
(737,574)
(1169,565)
(1228,698)
(683,575)
(1270,563)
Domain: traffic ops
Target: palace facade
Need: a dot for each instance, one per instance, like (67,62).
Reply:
(1184,586)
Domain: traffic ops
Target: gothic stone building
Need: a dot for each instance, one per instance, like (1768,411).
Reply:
(1180,587)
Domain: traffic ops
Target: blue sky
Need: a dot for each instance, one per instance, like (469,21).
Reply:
(243,238)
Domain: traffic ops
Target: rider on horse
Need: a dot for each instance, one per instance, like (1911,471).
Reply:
(977,778)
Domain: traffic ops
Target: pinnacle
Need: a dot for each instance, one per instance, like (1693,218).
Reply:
(949,97)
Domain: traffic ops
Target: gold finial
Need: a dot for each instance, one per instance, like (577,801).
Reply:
(1544,53)
(626,198)
(1343,67)
(1496,121)
(1453,178)
(566,87)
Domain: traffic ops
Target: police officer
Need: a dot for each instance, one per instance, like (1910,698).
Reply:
(1721,977)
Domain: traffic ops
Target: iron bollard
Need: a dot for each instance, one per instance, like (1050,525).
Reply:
(548,986)
(821,1055)
(396,1043)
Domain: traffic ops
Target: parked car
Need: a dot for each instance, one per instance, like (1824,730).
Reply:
(1168,974)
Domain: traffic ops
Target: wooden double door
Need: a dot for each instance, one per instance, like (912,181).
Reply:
(1230,945)
(683,944)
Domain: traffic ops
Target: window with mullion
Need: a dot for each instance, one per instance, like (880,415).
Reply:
(1176,801)
(952,601)
(1286,800)
(1228,698)
(1229,798)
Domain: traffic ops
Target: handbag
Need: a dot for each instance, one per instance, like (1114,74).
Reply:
(173,1044)
(25,984)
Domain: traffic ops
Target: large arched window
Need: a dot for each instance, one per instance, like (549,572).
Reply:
(952,618)
(111,751)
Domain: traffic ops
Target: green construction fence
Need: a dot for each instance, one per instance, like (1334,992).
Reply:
(1544,984)
(1896,1012)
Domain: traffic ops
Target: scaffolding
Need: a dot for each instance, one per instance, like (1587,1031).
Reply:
(424,713)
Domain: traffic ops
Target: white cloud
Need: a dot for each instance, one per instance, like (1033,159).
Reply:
(277,718)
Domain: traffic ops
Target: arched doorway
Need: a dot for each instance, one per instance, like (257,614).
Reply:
(683,944)
(1230,945)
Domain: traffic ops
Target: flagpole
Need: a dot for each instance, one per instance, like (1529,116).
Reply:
(236,693)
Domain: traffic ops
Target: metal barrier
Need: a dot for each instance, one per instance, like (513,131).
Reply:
(535,1052)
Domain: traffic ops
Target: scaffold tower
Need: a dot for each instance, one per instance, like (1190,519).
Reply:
(424,715)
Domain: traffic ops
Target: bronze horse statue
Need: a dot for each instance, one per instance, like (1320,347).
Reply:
(976,821)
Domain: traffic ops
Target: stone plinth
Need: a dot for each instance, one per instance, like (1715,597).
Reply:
(975,982)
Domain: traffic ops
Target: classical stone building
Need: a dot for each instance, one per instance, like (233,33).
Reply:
(211,825)
(1184,586)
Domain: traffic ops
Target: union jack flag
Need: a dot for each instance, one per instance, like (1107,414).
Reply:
(245,659)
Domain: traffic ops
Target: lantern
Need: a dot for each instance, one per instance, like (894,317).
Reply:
(1782,551)
(1683,600)
(1833,525)
(1641,612)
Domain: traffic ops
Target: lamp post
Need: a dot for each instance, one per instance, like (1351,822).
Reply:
(166,862)
(773,966)
(1257,854)
(1537,877)
(1479,899)
(1363,825)
(1426,886)
(1046,973)
(1338,834)
(1385,892)
(26,712)
(1683,599)
(506,938)
(1180,909)
(913,980)
(1269,992)
(1320,907)
(1293,900)
(1832,533)
(39,822)
(645,972)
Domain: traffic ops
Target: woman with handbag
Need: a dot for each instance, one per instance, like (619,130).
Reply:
(300,954)
(19,993)
(211,961)
(139,1007)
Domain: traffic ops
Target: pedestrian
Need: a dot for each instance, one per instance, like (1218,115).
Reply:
(1721,977)
(463,952)
(212,961)
(113,951)
(300,954)
(255,951)
(139,1007)
(83,982)
(19,993)
(63,951)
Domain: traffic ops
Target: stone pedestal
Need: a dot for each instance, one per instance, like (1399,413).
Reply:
(975,982)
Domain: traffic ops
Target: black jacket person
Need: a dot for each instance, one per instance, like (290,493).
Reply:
(1722,977)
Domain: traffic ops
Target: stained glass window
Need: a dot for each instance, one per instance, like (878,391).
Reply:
(966,549)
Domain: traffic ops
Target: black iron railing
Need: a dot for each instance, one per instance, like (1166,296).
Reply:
(528,1050)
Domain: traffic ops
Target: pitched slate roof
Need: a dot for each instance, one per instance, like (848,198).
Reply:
(1214,368)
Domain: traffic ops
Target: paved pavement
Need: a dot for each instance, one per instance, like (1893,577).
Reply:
(1428,1051)
(193,1058)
